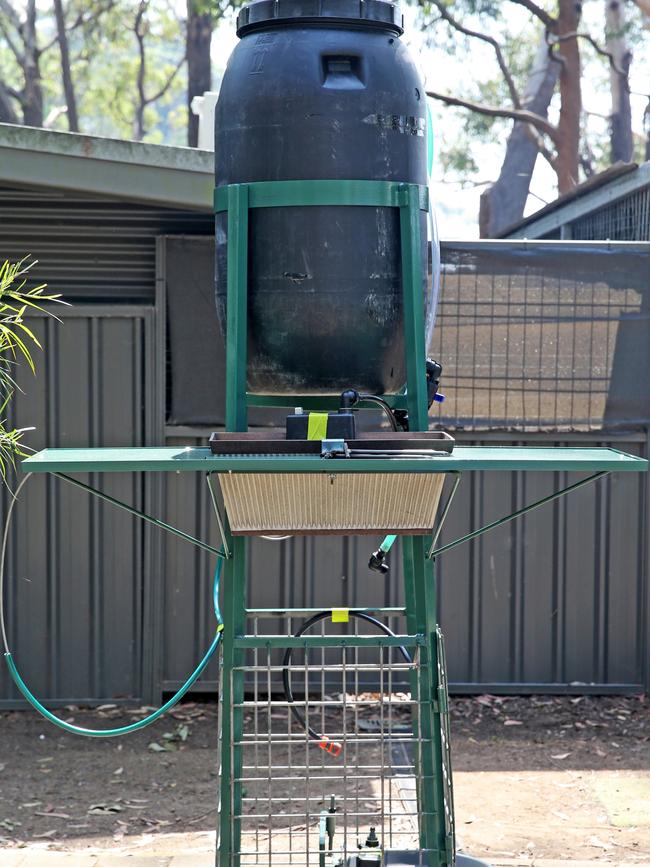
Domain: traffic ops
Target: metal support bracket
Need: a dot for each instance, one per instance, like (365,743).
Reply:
(443,516)
(220,522)
(594,478)
(142,515)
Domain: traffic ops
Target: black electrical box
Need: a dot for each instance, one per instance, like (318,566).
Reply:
(321,426)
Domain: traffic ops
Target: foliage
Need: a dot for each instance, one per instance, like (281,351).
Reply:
(17,341)
(127,58)
(469,32)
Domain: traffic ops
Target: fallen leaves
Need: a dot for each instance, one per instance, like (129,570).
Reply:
(104,809)
(171,740)
(9,824)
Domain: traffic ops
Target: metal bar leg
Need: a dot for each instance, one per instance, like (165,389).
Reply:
(413,301)
(232,717)
(421,608)
(236,319)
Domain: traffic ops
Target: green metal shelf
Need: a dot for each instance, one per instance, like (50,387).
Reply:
(463,459)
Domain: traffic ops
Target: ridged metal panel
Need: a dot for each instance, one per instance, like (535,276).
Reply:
(91,248)
(557,598)
(281,503)
(76,569)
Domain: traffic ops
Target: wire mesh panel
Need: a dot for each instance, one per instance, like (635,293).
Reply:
(627,219)
(544,336)
(327,732)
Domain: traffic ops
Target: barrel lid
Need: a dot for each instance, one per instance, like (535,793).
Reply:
(374,13)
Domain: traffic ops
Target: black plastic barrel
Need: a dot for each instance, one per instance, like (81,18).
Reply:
(321,89)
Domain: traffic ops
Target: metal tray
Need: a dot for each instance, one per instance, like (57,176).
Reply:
(273,441)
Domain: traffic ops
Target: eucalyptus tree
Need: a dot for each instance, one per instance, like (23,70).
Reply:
(539,86)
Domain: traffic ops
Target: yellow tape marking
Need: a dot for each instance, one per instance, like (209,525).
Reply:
(340,615)
(317,426)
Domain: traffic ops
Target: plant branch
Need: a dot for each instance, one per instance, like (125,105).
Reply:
(139,35)
(11,13)
(552,39)
(163,90)
(20,57)
(48,45)
(13,93)
(546,19)
(540,123)
(475,34)
(7,113)
(643,5)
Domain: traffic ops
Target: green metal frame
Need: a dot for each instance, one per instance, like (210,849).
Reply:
(236,200)
(428,684)
(462,459)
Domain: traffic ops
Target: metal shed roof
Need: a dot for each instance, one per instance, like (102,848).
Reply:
(176,177)
(609,186)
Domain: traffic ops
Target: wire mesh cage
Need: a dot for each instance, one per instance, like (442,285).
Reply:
(329,734)
(627,219)
(543,336)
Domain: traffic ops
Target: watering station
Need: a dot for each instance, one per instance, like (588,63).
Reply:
(334,728)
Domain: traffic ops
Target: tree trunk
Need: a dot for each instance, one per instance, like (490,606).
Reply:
(66,74)
(199,68)
(503,202)
(33,92)
(7,113)
(621,141)
(141,104)
(568,137)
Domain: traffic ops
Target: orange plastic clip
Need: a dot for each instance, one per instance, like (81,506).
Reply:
(332,747)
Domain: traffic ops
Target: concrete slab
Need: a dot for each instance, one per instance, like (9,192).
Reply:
(555,813)
(44,858)
(54,859)
(12,859)
(111,860)
(192,861)
(625,795)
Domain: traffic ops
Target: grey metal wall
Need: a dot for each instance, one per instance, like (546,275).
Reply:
(91,247)
(76,599)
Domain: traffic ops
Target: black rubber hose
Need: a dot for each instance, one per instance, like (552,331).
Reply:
(286,662)
(372,398)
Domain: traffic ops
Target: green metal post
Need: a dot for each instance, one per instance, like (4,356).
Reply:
(234,603)
(413,305)
(420,593)
(237,299)
(232,717)
(434,794)
(420,586)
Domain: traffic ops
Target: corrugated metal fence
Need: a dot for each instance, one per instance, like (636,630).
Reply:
(102,607)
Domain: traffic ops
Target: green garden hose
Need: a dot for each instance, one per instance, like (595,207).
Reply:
(79,730)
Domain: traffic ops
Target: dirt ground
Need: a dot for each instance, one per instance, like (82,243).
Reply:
(535,778)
